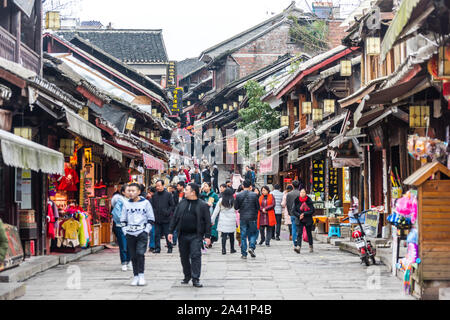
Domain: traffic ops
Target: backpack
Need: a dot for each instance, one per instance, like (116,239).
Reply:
(253,177)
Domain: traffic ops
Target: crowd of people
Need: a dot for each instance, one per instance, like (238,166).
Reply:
(193,214)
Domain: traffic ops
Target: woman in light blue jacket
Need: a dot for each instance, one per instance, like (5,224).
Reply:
(117,204)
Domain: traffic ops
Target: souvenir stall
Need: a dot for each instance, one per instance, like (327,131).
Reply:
(421,217)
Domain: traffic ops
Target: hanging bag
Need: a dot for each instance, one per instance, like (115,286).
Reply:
(305,235)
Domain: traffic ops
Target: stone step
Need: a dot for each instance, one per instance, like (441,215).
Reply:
(29,268)
(12,290)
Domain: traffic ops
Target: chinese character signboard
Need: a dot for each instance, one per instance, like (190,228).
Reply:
(172,75)
(177,103)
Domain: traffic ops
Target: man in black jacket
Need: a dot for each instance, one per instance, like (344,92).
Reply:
(163,206)
(193,224)
(206,175)
(196,176)
(215,176)
(248,205)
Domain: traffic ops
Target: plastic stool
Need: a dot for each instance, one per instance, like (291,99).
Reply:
(335,230)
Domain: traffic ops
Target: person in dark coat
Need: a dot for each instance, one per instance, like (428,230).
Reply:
(303,211)
(215,175)
(163,206)
(196,177)
(192,221)
(206,174)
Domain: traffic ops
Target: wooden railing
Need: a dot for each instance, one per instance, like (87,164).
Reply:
(7,45)
(29,58)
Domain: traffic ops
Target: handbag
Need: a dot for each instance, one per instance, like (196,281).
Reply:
(305,235)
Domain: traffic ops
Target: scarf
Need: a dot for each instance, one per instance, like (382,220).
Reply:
(303,199)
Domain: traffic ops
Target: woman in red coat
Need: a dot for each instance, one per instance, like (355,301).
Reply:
(266,216)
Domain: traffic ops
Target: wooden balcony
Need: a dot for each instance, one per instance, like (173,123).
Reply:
(28,58)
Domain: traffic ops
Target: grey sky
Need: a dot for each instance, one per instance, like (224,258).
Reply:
(189,26)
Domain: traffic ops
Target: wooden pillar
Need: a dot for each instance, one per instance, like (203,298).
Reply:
(366,177)
(17,31)
(290,110)
(301,116)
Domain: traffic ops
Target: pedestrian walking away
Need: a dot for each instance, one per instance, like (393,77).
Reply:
(278,197)
(163,207)
(192,221)
(117,202)
(286,216)
(226,216)
(137,219)
(196,176)
(290,199)
(206,175)
(248,205)
(303,210)
(266,215)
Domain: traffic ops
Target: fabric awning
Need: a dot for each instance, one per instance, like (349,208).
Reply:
(398,23)
(112,152)
(83,128)
(22,153)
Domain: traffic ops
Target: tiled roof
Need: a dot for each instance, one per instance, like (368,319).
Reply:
(91,23)
(187,66)
(127,45)
(242,38)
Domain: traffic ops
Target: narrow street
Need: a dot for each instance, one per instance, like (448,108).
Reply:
(277,273)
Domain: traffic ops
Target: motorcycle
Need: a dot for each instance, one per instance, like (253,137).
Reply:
(366,250)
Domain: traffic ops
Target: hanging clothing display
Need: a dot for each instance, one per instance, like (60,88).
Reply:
(69,181)
(50,221)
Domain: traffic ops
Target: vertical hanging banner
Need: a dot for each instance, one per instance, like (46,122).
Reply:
(152,162)
(232,145)
(176,105)
(265,165)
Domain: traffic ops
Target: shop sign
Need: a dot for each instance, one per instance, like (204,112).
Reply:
(377,137)
(14,255)
(88,155)
(152,162)
(23,188)
(371,223)
(176,105)
(171,74)
(287,180)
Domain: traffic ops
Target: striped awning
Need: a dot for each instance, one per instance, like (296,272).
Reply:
(22,153)
(398,23)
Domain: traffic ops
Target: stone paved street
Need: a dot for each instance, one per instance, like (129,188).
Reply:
(276,273)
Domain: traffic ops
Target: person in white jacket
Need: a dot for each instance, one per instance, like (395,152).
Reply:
(136,221)
(227,219)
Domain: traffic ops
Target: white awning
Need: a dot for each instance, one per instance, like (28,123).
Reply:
(311,153)
(112,152)
(84,128)
(22,153)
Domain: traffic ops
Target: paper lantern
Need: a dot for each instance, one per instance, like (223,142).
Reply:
(154,112)
(284,121)
(230,107)
(188,103)
(130,123)
(84,113)
(373,46)
(317,115)
(240,98)
(418,116)
(159,115)
(328,105)
(235,105)
(346,68)
(306,107)
(217,108)
(225,107)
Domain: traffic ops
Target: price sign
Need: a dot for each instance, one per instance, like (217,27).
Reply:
(371,223)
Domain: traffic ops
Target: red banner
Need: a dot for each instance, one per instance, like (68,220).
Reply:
(152,162)
(265,165)
(232,145)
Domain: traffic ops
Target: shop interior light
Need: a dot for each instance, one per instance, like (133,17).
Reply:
(328,105)
(373,46)
(306,107)
(317,114)
(346,68)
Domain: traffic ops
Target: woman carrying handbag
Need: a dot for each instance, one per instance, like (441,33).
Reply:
(303,211)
